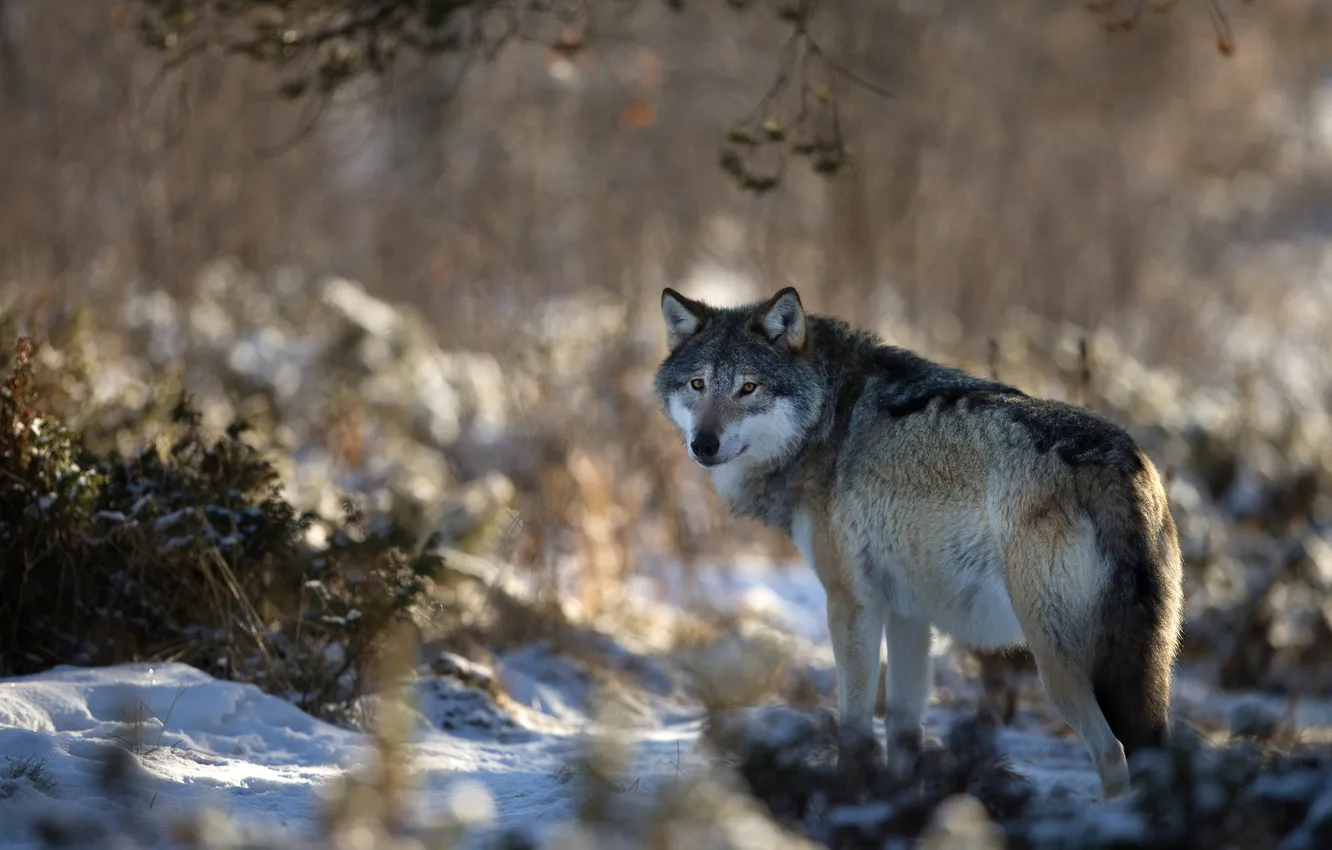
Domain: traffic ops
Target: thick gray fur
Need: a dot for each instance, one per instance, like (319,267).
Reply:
(925,495)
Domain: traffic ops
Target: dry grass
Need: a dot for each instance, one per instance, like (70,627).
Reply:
(1036,200)
(1024,162)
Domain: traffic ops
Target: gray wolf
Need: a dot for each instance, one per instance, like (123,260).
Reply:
(922,495)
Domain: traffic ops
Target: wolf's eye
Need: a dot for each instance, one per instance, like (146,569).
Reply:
(697,384)
(748,388)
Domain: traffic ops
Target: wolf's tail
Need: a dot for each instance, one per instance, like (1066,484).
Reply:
(1141,614)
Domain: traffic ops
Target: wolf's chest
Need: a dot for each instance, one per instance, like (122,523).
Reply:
(751,493)
(730,482)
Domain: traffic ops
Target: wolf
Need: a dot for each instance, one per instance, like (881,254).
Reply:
(923,496)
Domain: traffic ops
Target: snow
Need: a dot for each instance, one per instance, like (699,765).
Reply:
(206,742)
(223,744)
(199,739)
(236,749)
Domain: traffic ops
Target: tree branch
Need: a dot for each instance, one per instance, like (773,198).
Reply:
(332,42)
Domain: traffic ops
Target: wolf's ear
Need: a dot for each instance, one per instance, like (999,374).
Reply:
(684,318)
(782,320)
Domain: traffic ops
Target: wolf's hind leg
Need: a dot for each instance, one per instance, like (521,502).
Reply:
(1054,577)
(1070,689)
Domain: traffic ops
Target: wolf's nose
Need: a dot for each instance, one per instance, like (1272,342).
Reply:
(705,445)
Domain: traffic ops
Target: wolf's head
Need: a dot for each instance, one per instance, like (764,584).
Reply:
(739,382)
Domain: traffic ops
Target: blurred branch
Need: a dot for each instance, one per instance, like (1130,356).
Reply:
(10,70)
(319,46)
(803,69)
(1115,20)
(302,132)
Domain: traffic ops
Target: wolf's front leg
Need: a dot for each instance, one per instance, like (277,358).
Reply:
(908,690)
(857,635)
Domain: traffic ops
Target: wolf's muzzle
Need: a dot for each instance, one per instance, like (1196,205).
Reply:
(705,446)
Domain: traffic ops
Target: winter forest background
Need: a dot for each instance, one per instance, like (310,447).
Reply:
(335,504)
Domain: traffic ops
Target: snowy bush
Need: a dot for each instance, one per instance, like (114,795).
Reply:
(188,551)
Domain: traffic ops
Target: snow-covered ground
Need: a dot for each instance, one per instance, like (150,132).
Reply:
(233,748)
(230,747)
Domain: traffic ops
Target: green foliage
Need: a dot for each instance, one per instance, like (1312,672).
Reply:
(190,552)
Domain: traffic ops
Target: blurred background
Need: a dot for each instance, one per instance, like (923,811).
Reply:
(436,295)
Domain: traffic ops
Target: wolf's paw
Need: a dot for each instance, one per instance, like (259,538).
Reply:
(857,743)
(900,760)
(859,760)
(1114,773)
(1115,786)
(905,740)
